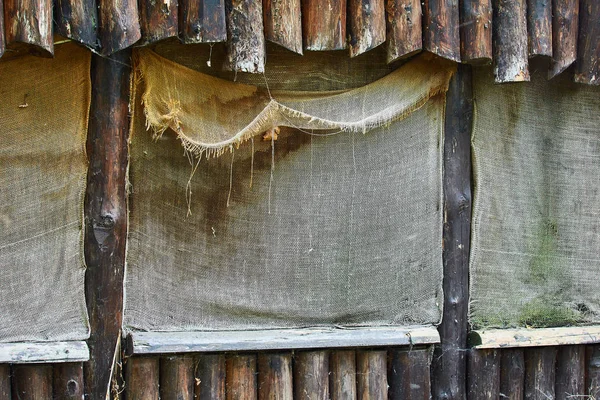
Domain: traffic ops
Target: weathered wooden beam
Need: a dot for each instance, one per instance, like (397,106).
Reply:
(5,382)
(441,34)
(77,20)
(283,23)
(409,374)
(525,337)
(539,27)
(540,373)
(510,41)
(241,383)
(142,378)
(68,381)
(342,377)
(32,382)
(324,24)
(29,22)
(565,27)
(245,36)
(404,30)
(106,216)
(592,373)
(202,21)
(43,352)
(366,22)
(371,375)
(476,31)
(570,372)
(177,378)
(311,380)
(512,374)
(210,377)
(275,376)
(449,362)
(158,20)
(118,25)
(483,374)
(587,67)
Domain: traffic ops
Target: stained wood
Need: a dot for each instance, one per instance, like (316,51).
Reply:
(441,33)
(512,374)
(494,338)
(540,373)
(587,67)
(158,20)
(565,27)
(539,27)
(275,376)
(29,22)
(371,375)
(77,20)
(119,25)
(449,361)
(570,372)
(311,380)
(5,382)
(43,352)
(510,41)
(283,23)
(210,377)
(142,378)
(476,31)
(342,377)
(106,215)
(245,37)
(483,374)
(177,378)
(32,382)
(409,376)
(202,21)
(324,24)
(241,383)
(404,30)
(592,375)
(366,21)
(2,39)
(67,381)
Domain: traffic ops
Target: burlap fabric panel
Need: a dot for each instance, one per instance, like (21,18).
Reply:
(337,222)
(43,114)
(535,258)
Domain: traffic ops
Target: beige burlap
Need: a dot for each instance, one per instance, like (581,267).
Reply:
(43,115)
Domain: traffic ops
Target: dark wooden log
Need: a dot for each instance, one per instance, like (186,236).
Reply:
(539,27)
(371,375)
(483,374)
(540,373)
(512,374)
(106,216)
(565,27)
(142,378)
(342,377)
(510,41)
(476,31)
(77,20)
(119,26)
(404,30)
(449,361)
(32,382)
(441,34)
(158,20)
(311,380)
(4,381)
(210,377)
(177,378)
(366,21)
(241,377)
(409,374)
(324,24)
(202,21)
(68,381)
(2,41)
(570,372)
(29,22)
(587,67)
(275,376)
(245,37)
(592,373)
(283,23)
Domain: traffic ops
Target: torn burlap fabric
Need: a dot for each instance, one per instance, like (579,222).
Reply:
(43,115)
(535,258)
(336,222)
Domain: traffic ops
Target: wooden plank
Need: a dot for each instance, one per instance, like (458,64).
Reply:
(311,380)
(106,215)
(570,372)
(77,20)
(342,377)
(32,382)
(142,378)
(177,378)
(324,24)
(441,34)
(404,29)
(275,376)
(67,381)
(158,20)
(539,27)
(202,21)
(283,23)
(43,352)
(512,374)
(284,339)
(409,374)
(494,338)
(118,25)
(565,27)
(371,375)
(587,67)
(5,381)
(245,36)
(210,377)
(509,39)
(449,362)
(592,373)
(540,373)
(241,377)
(483,374)
(366,25)
(29,22)
(476,31)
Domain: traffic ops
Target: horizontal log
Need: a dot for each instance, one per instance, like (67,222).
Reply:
(342,377)
(142,378)
(404,30)
(29,22)
(570,372)
(311,375)
(540,373)
(77,20)
(565,27)
(43,352)
(441,34)
(202,21)
(32,382)
(324,24)
(539,27)
(483,374)
(275,376)
(245,36)
(366,25)
(210,377)
(283,23)
(587,67)
(476,31)
(494,338)
(158,20)
(509,38)
(512,374)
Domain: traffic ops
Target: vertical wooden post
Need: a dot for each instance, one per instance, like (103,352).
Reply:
(106,217)
(77,20)
(142,378)
(404,30)
(283,23)
(202,21)
(245,36)
(32,382)
(449,361)
(311,380)
(371,375)
(512,374)
(366,25)
(275,376)
(118,23)
(570,372)
(409,374)
(4,381)
(483,374)
(592,373)
(210,377)
(241,377)
(510,41)
(324,24)
(158,20)
(68,381)
(476,31)
(342,377)
(2,40)
(540,373)
(177,378)
(539,27)
(565,27)
(441,33)
(30,22)
(587,68)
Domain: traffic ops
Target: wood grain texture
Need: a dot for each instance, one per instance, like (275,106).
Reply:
(587,67)
(283,23)
(68,381)
(241,382)
(311,380)
(245,37)
(404,30)
(342,376)
(324,24)
(371,375)
(43,352)
(210,377)
(77,20)
(512,374)
(366,22)
(539,27)
(570,372)
(177,378)
(275,376)
(409,374)
(2,35)
(525,337)
(565,27)
(540,373)
(119,25)
(158,20)
(441,34)
(5,382)
(29,22)
(592,373)
(483,374)
(32,382)
(476,31)
(142,378)
(510,41)
(202,21)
